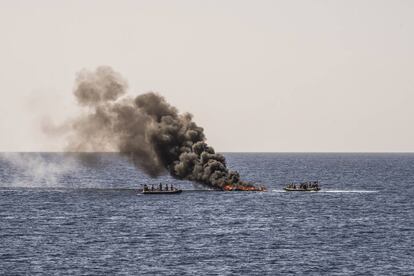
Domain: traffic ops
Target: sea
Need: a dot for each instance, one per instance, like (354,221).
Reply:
(82,214)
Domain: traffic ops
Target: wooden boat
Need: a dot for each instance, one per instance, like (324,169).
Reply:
(158,192)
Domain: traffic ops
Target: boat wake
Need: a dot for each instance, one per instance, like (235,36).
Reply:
(332,191)
(349,191)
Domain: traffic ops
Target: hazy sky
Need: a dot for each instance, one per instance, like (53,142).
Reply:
(257,75)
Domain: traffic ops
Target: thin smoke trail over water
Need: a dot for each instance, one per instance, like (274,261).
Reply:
(36,170)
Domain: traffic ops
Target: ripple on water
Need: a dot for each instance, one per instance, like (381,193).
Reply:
(364,228)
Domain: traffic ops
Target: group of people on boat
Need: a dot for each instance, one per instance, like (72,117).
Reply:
(304,185)
(160,188)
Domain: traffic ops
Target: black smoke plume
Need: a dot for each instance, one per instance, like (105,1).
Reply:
(146,129)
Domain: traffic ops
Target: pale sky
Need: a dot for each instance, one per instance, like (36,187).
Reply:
(257,75)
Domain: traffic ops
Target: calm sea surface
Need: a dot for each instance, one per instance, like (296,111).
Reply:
(80,214)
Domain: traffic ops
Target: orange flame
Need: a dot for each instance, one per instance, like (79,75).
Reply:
(249,188)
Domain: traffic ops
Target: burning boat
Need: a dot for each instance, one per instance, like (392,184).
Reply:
(243,188)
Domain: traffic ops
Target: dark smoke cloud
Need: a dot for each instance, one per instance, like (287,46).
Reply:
(147,129)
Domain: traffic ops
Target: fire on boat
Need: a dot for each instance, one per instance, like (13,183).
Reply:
(244,188)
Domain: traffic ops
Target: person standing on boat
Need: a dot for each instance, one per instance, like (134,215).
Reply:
(160,186)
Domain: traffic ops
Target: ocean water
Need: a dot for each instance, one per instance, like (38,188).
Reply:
(81,214)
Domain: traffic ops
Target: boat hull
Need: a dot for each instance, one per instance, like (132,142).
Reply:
(302,190)
(161,192)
